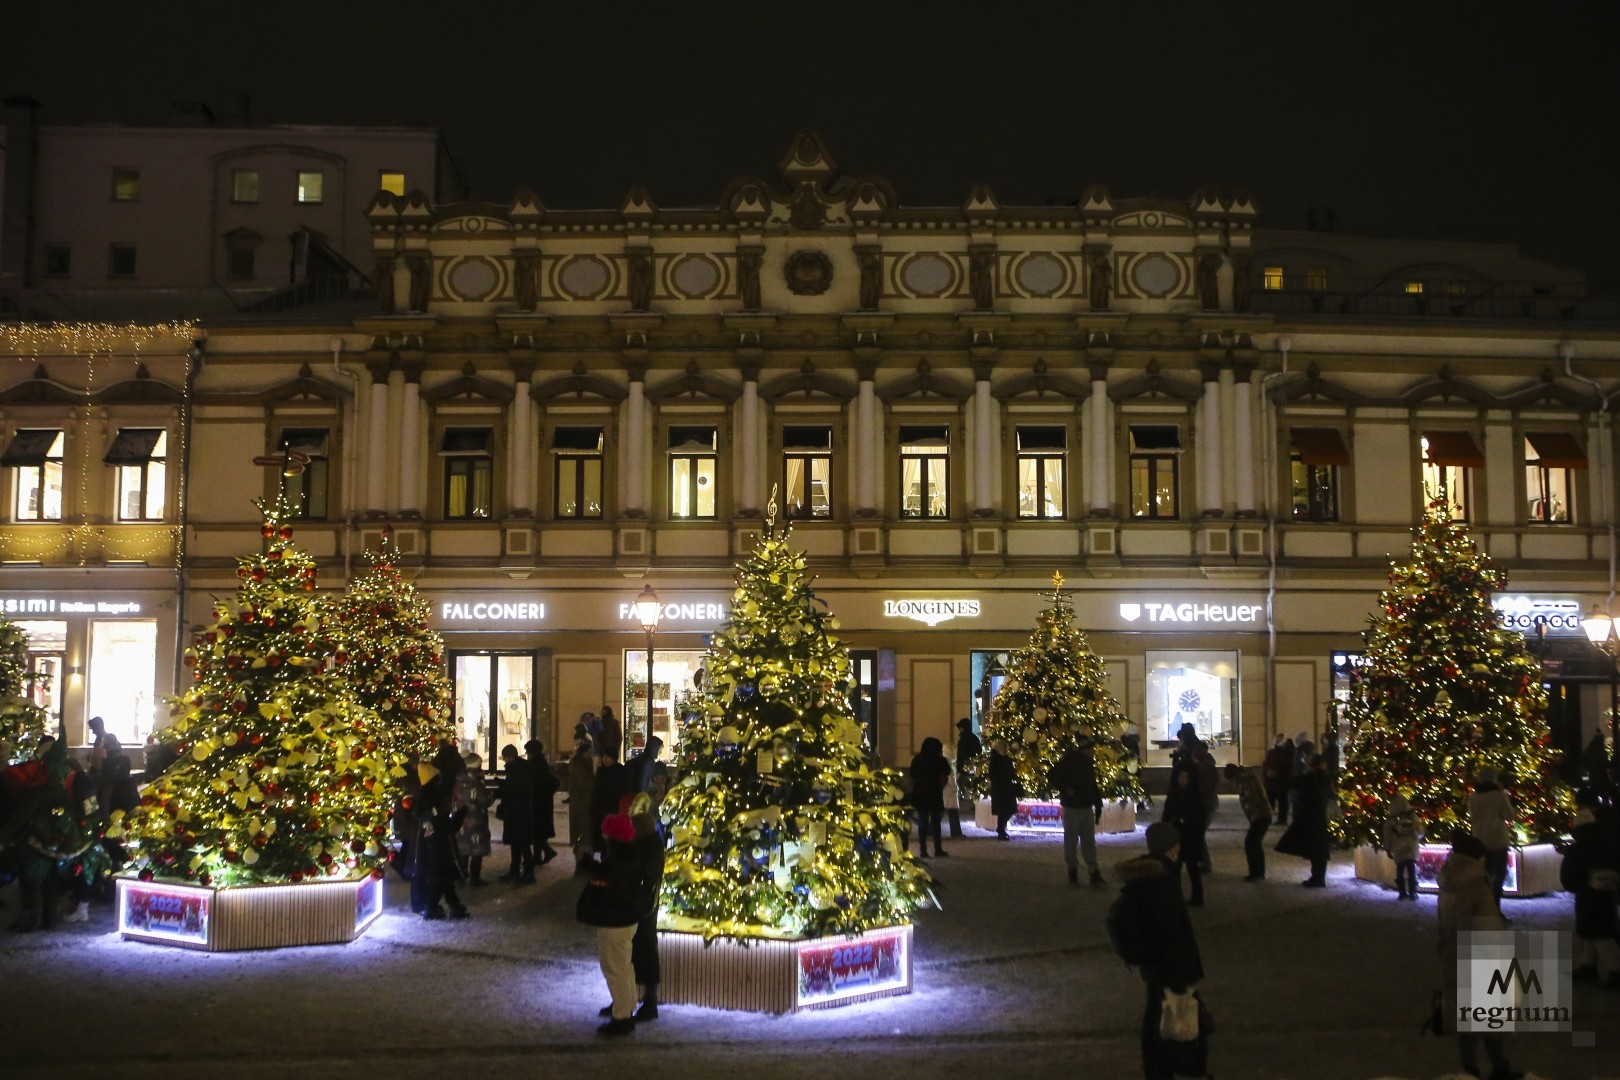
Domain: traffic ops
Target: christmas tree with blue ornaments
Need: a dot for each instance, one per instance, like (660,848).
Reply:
(779,825)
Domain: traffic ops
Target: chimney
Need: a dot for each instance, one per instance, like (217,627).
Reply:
(22,171)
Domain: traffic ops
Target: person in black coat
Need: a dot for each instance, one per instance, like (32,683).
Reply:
(432,867)
(612,784)
(644,766)
(1074,778)
(516,811)
(545,785)
(1591,870)
(1003,788)
(930,771)
(1308,836)
(1173,963)
(622,892)
(1185,809)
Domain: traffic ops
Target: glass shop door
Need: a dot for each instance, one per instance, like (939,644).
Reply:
(494,702)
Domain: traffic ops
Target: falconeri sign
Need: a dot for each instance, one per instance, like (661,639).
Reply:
(932,612)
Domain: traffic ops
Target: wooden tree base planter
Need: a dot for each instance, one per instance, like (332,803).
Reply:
(212,919)
(1532,871)
(1042,816)
(767,975)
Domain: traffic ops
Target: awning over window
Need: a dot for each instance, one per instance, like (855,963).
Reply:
(1149,437)
(1455,448)
(30,447)
(1320,446)
(1556,450)
(133,446)
(466,442)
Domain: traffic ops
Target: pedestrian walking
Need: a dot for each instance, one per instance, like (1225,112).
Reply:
(472,798)
(1403,834)
(612,739)
(1279,769)
(1257,811)
(1308,836)
(1490,821)
(968,747)
(516,812)
(1163,943)
(622,890)
(544,784)
(1184,808)
(581,779)
(1074,777)
(1208,787)
(930,771)
(1591,870)
(1304,750)
(433,870)
(1467,902)
(1003,787)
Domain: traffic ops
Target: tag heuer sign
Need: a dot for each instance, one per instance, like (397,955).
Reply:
(932,612)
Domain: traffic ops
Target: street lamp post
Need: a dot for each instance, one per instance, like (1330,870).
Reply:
(647,610)
(1599,627)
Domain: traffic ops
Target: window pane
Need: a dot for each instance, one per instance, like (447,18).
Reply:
(794,483)
(911,492)
(241,262)
(1272,278)
(1052,488)
(455,489)
(567,487)
(121,260)
(938,506)
(156,473)
(245,186)
(126,185)
(591,487)
(483,488)
(28,493)
(821,487)
(58,259)
(1450,481)
(129,492)
(309,187)
(1140,476)
(1029,484)
(705,487)
(51,500)
(1548,490)
(1316,278)
(1164,488)
(392,182)
(680,487)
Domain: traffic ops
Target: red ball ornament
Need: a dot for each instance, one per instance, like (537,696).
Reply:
(324,859)
(205,878)
(286,532)
(147,875)
(309,586)
(267,531)
(296,876)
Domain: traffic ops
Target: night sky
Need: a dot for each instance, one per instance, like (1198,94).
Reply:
(1421,119)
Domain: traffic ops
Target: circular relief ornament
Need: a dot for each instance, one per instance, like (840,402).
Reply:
(1041,274)
(808,273)
(696,275)
(928,275)
(583,277)
(473,279)
(1156,275)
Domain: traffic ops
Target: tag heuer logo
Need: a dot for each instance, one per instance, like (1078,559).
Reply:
(1130,612)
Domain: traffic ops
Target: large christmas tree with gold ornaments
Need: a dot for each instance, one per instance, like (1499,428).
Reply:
(1446,693)
(22,722)
(282,773)
(780,827)
(1056,692)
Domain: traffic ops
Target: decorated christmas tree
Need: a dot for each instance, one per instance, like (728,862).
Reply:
(1056,692)
(282,773)
(377,633)
(1446,693)
(22,722)
(780,826)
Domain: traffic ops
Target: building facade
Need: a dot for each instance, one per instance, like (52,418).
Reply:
(1218,435)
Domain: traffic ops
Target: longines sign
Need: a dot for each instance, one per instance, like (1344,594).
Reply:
(932,612)
(1247,614)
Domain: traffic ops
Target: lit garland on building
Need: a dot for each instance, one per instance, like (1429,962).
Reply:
(779,826)
(1056,691)
(95,339)
(1446,692)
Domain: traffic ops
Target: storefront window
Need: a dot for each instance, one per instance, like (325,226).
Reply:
(494,695)
(863,694)
(123,677)
(673,672)
(47,664)
(1197,688)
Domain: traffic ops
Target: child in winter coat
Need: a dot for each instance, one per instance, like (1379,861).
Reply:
(1402,834)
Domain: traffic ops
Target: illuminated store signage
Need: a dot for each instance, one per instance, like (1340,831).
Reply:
(1192,613)
(678,612)
(932,612)
(45,605)
(492,611)
(1560,615)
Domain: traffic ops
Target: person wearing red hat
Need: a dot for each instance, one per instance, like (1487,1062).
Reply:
(623,891)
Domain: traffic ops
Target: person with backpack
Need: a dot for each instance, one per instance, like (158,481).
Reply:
(1074,777)
(1150,929)
(1184,808)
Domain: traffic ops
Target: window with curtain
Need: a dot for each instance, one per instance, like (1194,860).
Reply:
(305,476)
(692,471)
(141,457)
(1550,458)
(1155,464)
(807,471)
(1448,461)
(925,471)
(1042,451)
(35,460)
(577,471)
(469,473)
(1314,463)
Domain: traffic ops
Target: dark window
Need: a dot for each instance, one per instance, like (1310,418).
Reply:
(807,471)
(1155,462)
(692,471)
(577,452)
(58,260)
(925,471)
(121,260)
(306,474)
(241,263)
(469,473)
(1042,452)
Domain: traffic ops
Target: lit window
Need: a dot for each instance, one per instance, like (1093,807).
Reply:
(58,260)
(925,458)
(1314,471)
(121,260)
(245,185)
(35,460)
(1041,454)
(391,182)
(141,457)
(1449,457)
(1549,459)
(126,185)
(692,464)
(304,477)
(1316,278)
(310,186)
(1414,288)
(578,455)
(807,471)
(1272,278)
(1155,461)
(469,473)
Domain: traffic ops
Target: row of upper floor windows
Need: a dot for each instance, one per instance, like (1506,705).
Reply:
(123,259)
(248,186)
(809,471)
